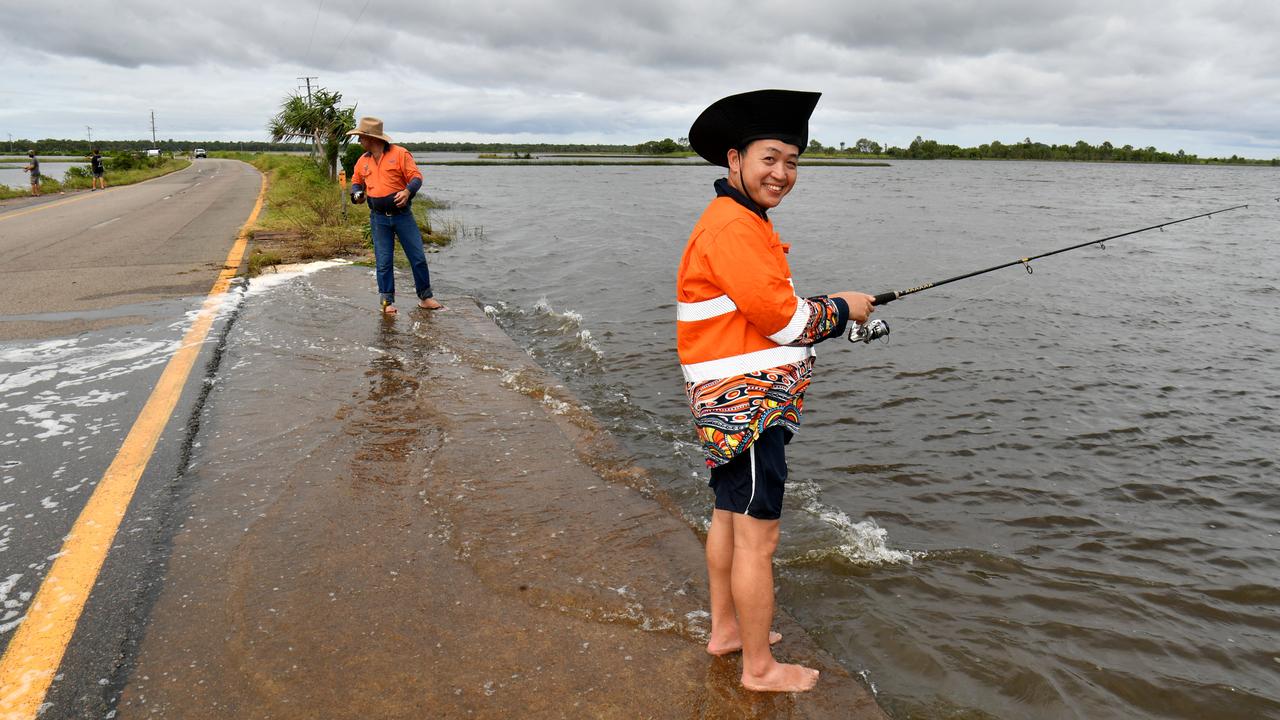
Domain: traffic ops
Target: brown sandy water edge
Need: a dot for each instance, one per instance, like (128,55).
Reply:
(407,518)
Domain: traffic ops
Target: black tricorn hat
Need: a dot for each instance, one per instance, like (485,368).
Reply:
(734,121)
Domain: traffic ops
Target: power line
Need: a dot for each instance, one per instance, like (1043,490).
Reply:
(353,25)
(313,31)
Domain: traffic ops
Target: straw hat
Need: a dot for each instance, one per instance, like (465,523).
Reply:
(734,121)
(370,126)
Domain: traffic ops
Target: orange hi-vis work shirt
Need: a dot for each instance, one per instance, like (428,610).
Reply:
(744,338)
(388,175)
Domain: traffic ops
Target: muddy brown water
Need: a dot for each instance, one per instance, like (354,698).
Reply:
(407,518)
(1048,496)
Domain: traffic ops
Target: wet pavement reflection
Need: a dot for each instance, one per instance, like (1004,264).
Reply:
(404,517)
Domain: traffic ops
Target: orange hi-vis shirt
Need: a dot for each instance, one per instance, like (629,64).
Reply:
(388,175)
(737,309)
(744,338)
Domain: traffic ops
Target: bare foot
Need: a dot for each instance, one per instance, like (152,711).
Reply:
(734,645)
(430,304)
(782,677)
(389,309)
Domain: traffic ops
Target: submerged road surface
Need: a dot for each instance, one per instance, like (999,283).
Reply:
(104,329)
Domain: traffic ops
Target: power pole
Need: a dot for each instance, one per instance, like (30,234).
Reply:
(315,137)
(153,128)
(86,127)
(308,79)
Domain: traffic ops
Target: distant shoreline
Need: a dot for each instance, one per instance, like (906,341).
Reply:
(628,163)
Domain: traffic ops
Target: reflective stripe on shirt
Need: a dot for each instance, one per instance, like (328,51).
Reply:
(746,363)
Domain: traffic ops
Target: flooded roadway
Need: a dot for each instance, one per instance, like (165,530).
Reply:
(407,518)
(98,293)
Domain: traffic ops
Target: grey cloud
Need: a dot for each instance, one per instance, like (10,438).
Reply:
(559,67)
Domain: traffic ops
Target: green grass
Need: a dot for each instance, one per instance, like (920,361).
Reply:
(307,216)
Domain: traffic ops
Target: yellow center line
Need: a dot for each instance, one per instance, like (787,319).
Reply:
(38,645)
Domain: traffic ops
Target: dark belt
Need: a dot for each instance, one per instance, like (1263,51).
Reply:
(386,205)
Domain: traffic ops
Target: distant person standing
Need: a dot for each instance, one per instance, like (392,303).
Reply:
(34,169)
(387,176)
(98,169)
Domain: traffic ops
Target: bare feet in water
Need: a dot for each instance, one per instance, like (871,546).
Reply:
(782,677)
(734,644)
(389,309)
(430,304)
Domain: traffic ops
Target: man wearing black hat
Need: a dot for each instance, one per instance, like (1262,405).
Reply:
(746,349)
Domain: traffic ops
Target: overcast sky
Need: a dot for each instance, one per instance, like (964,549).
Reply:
(1176,74)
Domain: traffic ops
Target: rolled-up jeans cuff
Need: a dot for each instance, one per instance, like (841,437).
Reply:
(423,295)
(388,298)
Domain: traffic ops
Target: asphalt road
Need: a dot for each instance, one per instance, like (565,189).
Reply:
(77,262)
(96,293)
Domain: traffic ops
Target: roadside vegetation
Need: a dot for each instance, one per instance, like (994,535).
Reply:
(306,216)
(122,168)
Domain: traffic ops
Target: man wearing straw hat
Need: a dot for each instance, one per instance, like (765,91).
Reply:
(387,176)
(745,342)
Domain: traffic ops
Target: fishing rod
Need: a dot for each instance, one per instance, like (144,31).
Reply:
(868,331)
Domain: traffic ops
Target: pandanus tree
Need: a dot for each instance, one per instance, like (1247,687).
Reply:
(319,119)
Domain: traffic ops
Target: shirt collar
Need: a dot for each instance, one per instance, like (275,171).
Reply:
(724,189)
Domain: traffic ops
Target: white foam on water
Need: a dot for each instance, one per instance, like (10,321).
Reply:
(568,317)
(588,343)
(47,413)
(566,322)
(11,615)
(78,364)
(861,543)
(37,352)
(286,273)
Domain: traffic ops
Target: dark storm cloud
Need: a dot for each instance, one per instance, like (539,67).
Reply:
(619,70)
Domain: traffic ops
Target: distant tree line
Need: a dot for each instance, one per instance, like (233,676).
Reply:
(50,146)
(508,148)
(919,149)
(1081,151)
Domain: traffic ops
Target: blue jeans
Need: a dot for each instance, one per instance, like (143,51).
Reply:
(385,229)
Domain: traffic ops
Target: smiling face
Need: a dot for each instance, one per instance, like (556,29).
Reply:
(765,171)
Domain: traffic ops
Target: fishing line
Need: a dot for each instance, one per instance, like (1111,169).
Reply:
(866,332)
(968,299)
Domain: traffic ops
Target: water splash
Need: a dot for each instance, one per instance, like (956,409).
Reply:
(862,543)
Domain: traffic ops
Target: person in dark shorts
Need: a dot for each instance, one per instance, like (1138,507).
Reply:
(745,341)
(34,169)
(99,170)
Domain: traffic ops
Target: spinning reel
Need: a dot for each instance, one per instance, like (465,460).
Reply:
(868,331)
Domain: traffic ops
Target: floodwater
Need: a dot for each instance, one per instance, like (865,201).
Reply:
(1049,495)
(12,174)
